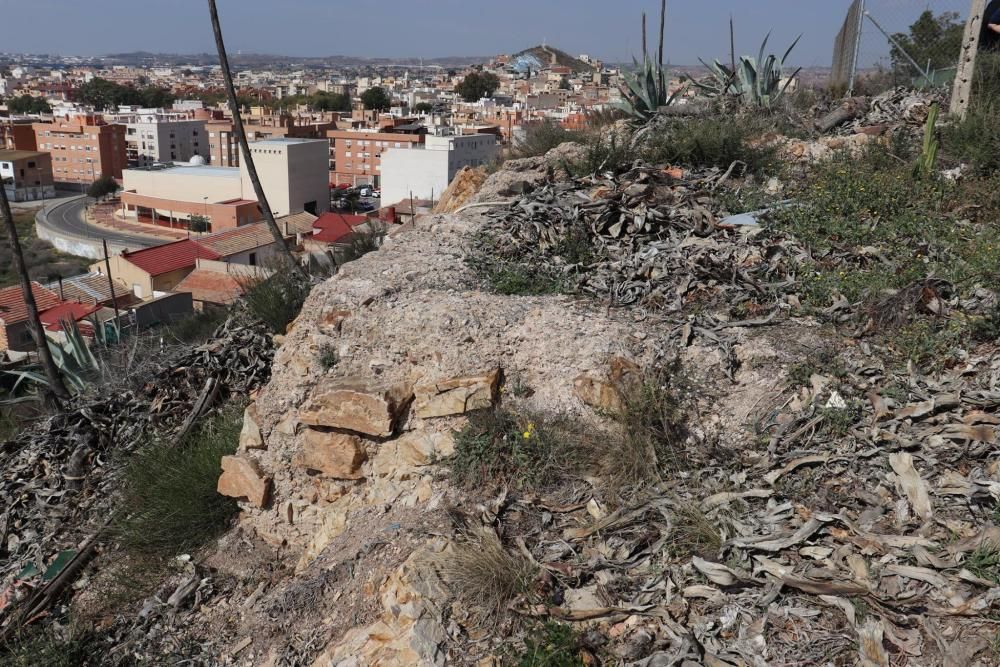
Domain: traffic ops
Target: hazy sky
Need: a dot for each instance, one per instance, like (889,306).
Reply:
(608,29)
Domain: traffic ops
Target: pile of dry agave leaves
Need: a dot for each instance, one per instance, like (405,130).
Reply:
(57,479)
(856,523)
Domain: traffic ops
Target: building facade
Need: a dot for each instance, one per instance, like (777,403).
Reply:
(153,136)
(83,148)
(356,155)
(26,175)
(424,172)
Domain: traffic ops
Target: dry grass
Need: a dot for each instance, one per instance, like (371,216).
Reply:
(694,533)
(44,262)
(485,576)
(651,433)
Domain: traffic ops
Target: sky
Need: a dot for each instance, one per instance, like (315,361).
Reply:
(607,29)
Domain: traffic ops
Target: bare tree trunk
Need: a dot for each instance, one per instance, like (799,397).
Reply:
(663,22)
(57,389)
(241,136)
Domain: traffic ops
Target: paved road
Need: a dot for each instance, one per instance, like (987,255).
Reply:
(68,219)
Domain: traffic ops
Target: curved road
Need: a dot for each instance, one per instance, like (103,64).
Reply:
(68,219)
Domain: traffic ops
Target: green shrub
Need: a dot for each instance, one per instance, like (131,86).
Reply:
(710,142)
(47,648)
(540,138)
(984,562)
(328,356)
(974,139)
(551,645)
(170,491)
(277,300)
(528,451)
(199,327)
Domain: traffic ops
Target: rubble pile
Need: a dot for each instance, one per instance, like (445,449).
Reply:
(899,107)
(57,480)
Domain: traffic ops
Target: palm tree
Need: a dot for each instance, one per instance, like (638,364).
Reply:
(56,392)
(241,136)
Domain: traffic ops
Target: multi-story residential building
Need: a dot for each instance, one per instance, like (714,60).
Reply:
(356,154)
(154,135)
(83,148)
(223,148)
(26,175)
(424,171)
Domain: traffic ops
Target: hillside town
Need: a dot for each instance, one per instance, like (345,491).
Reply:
(531,360)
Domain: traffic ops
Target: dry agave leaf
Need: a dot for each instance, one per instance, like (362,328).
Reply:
(913,486)
(727,497)
(717,573)
(774,475)
(768,543)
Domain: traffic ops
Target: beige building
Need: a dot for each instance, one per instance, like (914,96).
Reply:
(293,173)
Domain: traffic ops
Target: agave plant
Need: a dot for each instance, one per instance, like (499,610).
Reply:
(74,359)
(646,91)
(756,82)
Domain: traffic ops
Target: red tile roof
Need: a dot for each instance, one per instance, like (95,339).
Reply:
(12,308)
(169,257)
(52,318)
(335,227)
(211,286)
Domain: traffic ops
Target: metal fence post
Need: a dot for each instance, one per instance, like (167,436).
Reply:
(962,91)
(857,49)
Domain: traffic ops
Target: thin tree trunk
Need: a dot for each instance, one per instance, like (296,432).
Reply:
(663,22)
(57,389)
(241,136)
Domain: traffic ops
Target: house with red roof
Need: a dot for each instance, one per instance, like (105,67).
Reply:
(14,333)
(153,271)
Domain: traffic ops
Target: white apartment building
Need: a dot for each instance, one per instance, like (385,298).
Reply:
(426,170)
(155,136)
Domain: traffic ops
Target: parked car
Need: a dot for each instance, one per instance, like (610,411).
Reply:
(365,191)
(364,207)
(377,194)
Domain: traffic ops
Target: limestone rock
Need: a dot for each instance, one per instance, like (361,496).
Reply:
(243,478)
(250,436)
(412,450)
(456,396)
(336,455)
(604,391)
(353,406)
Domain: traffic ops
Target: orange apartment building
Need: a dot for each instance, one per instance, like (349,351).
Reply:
(17,134)
(356,154)
(83,148)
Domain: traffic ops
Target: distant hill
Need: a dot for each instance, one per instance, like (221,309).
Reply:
(549,56)
(272,60)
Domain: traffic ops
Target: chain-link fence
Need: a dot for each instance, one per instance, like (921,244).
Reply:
(899,42)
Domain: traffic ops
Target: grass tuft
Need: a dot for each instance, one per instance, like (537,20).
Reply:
(328,356)
(51,648)
(485,576)
(984,562)
(277,300)
(540,138)
(694,534)
(172,490)
(527,451)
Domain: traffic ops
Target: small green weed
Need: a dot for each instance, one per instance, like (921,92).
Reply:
(328,356)
(540,138)
(199,327)
(987,329)
(984,562)
(837,422)
(498,448)
(551,645)
(823,362)
(171,490)
(519,279)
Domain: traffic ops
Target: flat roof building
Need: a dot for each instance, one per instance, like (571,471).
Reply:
(83,148)
(154,135)
(293,173)
(424,172)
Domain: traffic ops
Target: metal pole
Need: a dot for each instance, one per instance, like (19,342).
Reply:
(111,283)
(857,49)
(962,91)
(892,40)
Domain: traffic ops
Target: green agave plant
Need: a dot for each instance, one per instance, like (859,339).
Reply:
(756,82)
(646,91)
(73,358)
